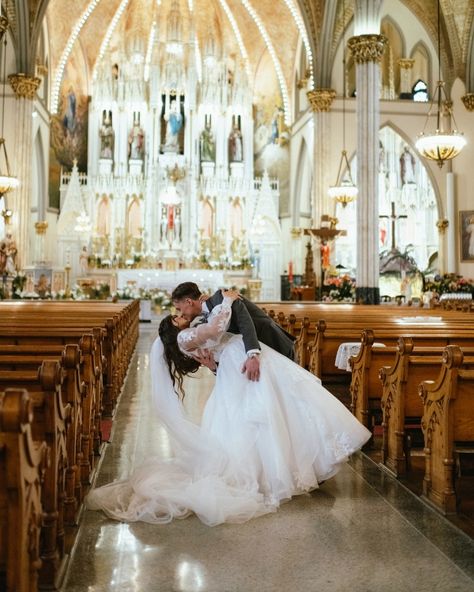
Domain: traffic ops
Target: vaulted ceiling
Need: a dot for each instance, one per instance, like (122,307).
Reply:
(260,23)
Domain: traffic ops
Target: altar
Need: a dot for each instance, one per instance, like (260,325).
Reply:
(208,280)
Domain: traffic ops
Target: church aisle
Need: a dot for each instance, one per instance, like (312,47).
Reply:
(361,531)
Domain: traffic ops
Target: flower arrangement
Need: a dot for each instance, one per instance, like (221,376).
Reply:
(341,288)
(449,283)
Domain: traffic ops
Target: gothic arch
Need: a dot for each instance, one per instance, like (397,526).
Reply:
(419,69)
(410,142)
(470,62)
(38,197)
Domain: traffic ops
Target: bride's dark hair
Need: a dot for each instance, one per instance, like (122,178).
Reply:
(179,364)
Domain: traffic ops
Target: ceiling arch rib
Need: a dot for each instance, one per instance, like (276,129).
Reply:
(238,36)
(67,52)
(276,63)
(108,36)
(304,36)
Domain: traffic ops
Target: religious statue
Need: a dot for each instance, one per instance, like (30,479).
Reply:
(235,145)
(136,140)
(174,123)
(3,257)
(407,167)
(207,143)
(325,255)
(470,232)
(84,261)
(107,136)
(10,251)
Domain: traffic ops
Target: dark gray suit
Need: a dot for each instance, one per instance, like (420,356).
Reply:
(254,325)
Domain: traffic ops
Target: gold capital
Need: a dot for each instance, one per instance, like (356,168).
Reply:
(367,48)
(442,225)
(3,26)
(41,227)
(24,86)
(321,98)
(468,101)
(406,63)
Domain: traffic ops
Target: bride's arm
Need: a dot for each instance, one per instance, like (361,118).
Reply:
(207,335)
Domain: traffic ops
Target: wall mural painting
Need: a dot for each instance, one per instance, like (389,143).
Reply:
(68,129)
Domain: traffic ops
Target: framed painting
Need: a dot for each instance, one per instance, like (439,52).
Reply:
(466,232)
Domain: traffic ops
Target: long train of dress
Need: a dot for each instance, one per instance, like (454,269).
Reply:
(259,443)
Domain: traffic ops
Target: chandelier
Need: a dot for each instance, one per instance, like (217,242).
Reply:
(8,182)
(344,190)
(443,143)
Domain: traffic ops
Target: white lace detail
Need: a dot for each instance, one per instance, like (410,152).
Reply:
(207,335)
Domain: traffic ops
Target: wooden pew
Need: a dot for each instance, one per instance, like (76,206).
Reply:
(24,359)
(365,388)
(22,465)
(448,422)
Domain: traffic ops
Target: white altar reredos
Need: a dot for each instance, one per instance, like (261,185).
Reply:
(170,180)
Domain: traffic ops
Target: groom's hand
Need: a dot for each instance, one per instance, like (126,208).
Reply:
(252,368)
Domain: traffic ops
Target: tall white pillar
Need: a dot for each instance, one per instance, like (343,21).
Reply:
(367,51)
(25,88)
(450,214)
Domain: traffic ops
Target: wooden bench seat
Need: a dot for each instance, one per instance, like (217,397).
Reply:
(401,404)
(448,421)
(22,465)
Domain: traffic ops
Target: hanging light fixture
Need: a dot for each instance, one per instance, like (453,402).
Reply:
(8,182)
(444,143)
(344,190)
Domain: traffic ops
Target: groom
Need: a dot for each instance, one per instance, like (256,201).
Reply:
(247,320)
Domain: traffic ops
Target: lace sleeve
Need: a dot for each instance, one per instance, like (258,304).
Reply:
(207,335)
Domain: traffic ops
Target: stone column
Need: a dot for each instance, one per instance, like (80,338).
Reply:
(320,100)
(39,257)
(25,88)
(468,101)
(451,216)
(367,51)
(406,67)
(442,225)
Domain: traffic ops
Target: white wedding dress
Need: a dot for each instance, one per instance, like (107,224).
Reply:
(259,443)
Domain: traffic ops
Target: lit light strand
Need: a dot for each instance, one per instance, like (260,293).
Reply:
(67,52)
(304,36)
(108,36)
(276,63)
(238,36)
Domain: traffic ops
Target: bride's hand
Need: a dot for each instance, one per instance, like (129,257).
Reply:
(232,294)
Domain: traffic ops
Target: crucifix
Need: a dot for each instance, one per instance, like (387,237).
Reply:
(393,217)
(325,233)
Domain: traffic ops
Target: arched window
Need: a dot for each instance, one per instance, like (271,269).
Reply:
(420,92)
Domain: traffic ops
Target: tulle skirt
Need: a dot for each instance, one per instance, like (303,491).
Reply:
(259,444)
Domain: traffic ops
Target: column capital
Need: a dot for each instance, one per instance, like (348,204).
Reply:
(442,225)
(3,26)
(468,101)
(41,227)
(367,48)
(24,86)
(406,63)
(321,98)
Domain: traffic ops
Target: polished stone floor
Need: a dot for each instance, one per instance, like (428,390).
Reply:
(360,532)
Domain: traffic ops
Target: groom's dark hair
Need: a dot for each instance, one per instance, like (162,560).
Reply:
(186,290)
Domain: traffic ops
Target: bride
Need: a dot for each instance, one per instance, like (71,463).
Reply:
(259,443)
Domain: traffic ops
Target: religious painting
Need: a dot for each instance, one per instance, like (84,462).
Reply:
(69,126)
(271,136)
(42,280)
(466,227)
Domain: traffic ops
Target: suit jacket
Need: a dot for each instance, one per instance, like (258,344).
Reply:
(254,325)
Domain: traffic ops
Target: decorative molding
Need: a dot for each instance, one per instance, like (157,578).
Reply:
(41,227)
(406,63)
(367,48)
(296,232)
(3,26)
(442,225)
(468,101)
(321,98)
(24,86)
